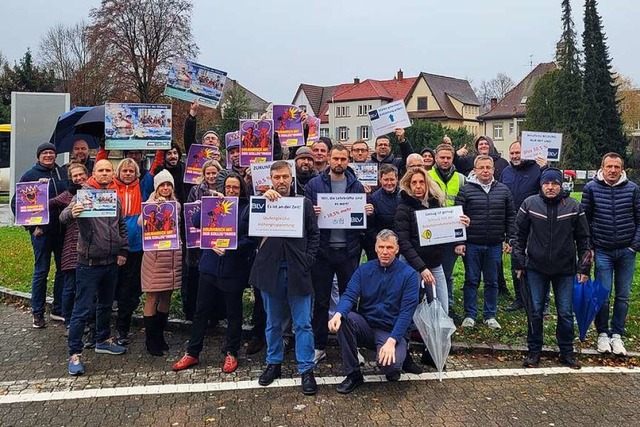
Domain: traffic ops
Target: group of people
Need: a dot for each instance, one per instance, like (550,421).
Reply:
(516,207)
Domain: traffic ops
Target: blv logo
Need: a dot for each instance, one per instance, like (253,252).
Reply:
(259,206)
(357,219)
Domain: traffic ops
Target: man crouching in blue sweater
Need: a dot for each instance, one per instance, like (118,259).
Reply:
(386,294)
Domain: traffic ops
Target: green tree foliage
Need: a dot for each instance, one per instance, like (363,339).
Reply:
(235,106)
(602,122)
(24,76)
(423,134)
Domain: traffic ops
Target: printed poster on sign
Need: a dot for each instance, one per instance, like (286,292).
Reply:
(190,81)
(198,155)
(231,139)
(547,145)
(256,141)
(32,203)
(137,126)
(192,233)
(97,203)
(160,226)
(261,176)
(367,173)
(388,117)
(342,211)
(288,122)
(440,225)
(281,218)
(314,130)
(219,223)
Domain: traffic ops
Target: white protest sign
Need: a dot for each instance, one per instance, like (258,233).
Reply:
(342,210)
(388,117)
(261,175)
(367,173)
(547,145)
(440,225)
(281,218)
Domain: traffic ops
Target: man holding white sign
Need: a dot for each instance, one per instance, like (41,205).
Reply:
(282,272)
(383,152)
(340,249)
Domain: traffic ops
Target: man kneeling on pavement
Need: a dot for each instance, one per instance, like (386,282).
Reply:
(386,293)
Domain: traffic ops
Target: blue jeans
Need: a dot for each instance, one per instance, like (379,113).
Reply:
(563,294)
(449,259)
(481,260)
(300,306)
(43,246)
(68,295)
(92,280)
(441,288)
(618,264)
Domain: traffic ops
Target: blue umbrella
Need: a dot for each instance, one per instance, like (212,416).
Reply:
(65,134)
(588,298)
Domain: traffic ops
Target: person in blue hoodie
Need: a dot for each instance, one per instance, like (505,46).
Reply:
(46,240)
(386,292)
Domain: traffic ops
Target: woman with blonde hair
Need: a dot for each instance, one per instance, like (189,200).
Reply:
(161,273)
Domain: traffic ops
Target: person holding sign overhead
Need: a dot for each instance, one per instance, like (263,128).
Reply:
(383,152)
(339,248)
(282,272)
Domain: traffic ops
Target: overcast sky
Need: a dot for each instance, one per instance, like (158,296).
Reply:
(271,47)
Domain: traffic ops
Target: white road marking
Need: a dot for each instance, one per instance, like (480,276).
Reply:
(281,383)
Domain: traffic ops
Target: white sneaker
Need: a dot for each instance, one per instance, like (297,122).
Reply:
(617,346)
(468,322)
(319,355)
(361,360)
(604,343)
(493,324)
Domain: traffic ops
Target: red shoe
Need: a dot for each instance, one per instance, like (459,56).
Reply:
(230,364)
(184,363)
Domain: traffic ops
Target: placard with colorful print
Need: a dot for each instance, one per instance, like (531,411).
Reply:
(256,141)
(160,229)
(32,203)
(219,222)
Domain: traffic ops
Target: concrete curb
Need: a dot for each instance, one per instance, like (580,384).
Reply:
(456,347)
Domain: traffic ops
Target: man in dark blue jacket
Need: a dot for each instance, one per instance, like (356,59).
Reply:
(385,202)
(46,240)
(383,152)
(339,252)
(612,205)
(386,294)
(523,179)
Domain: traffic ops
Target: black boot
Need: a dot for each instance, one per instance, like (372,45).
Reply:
(410,366)
(162,319)
(151,340)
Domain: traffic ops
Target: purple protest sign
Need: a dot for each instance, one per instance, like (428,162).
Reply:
(192,233)
(32,203)
(256,141)
(198,155)
(160,226)
(219,223)
(231,140)
(289,125)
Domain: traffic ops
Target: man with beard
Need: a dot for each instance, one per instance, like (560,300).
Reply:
(340,249)
(383,151)
(175,166)
(523,179)
(80,153)
(304,169)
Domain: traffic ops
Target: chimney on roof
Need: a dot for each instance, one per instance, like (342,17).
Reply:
(494,102)
(400,75)
(356,80)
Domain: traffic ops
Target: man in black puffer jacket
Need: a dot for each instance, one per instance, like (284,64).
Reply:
(489,204)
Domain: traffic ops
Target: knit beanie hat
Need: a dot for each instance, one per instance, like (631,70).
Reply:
(44,147)
(304,152)
(161,177)
(551,175)
(210,132)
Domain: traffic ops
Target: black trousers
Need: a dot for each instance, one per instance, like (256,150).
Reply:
(128,291)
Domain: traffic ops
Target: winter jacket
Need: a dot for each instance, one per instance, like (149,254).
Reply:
(130,197)
(523,180)
(406,227)
(450,182)
(322,184)
(299,253)
(303,179)
(384,209)
(386,297)
(548,232)
(399,162)
(464,164)
(234,264)
(492,214)
(146,177)
(69,258)
(162,270)
(100,240)
(58,183)
(613,213)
